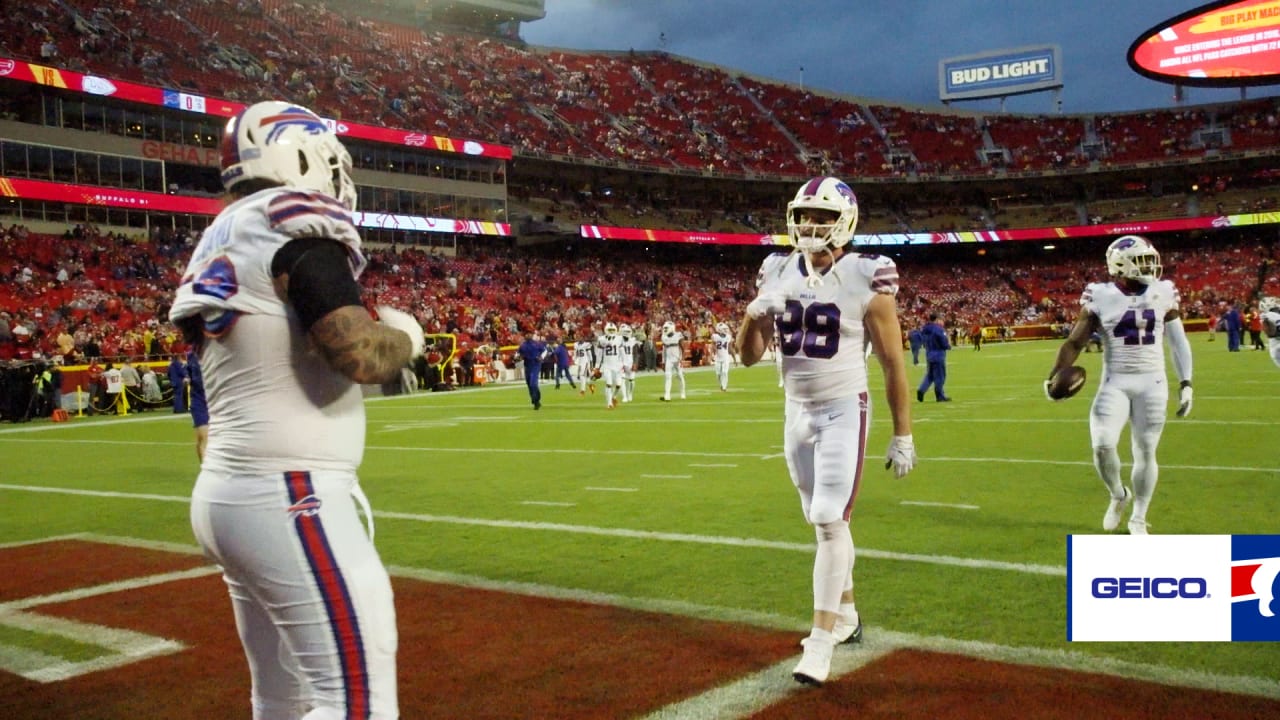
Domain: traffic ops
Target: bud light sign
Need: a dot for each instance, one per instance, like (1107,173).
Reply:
(1000,72)
(1173,587)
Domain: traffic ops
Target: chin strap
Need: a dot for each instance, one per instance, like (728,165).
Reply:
(815,279)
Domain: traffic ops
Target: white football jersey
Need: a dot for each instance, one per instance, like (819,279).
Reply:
(671,350)
(275,404)
(629,348)
(1132,325)
(821,334)
(720,347)
(582,354)
(610,352)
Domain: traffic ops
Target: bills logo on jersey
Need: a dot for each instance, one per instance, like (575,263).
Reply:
(1255,568)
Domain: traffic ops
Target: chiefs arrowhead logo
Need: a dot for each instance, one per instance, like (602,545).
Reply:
(6,66)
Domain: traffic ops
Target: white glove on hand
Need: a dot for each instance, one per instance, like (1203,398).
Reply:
(766,305)
(901,456)
(1184,402)
(404,322)
(1047,384)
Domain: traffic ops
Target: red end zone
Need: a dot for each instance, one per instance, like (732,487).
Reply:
(541,658)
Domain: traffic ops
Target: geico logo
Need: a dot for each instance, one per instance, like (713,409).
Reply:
(1141,587)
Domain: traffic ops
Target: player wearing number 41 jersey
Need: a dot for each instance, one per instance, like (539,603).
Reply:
(1134,314)
(826,305)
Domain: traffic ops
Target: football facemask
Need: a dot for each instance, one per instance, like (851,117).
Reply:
(286,144)
(1133,257)
(824,214)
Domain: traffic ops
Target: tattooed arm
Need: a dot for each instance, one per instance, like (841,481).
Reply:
(315,276)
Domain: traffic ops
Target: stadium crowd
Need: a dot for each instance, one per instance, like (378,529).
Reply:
(651,110)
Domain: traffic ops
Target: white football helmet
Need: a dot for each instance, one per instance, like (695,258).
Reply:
(610,329)
(1133,257)
(722,328)
(626,331)
(286,144)
(668,327)
(822,193)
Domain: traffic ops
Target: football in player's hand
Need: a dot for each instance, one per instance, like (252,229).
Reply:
(1066,382)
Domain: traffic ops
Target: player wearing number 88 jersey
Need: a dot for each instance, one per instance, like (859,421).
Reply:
(826,303)
(1135,314)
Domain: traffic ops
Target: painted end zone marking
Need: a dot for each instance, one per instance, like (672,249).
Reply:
(118,646)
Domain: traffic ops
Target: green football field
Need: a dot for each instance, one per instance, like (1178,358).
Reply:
(688,503)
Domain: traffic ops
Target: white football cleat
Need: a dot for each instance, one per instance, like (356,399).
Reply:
(815,664)
(1138,527)
(846,633)
(1115,510)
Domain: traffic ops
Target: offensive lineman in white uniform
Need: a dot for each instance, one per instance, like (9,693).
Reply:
(630,346)
(826,303)
(672,358)
(1133,313)
(721,357)
(610,347)
(271,303)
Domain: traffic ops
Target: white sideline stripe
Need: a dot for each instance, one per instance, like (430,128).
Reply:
(713,465)
(547,503)
(958,506)
(975,563)
(1035,657)
(749,695)
(667,477)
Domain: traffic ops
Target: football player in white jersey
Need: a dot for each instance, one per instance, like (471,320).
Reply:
(722,354)
(270,302)
(584,361)
(630,349)
(825,302)
(610,348)
(672,358)
(1134,313)
(1270,307)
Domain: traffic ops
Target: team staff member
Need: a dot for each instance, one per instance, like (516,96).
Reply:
(936,345)
(270,304)
(532,351)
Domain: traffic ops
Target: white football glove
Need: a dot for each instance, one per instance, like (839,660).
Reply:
(901,456)
(766,304)
(404,322)
(1047,385)
(1184,401)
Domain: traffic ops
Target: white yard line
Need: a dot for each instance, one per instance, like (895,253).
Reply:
(958,506)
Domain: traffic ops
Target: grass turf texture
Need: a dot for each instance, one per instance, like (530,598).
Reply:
(690,501)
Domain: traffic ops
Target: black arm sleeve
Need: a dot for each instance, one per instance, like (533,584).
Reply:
(319,277)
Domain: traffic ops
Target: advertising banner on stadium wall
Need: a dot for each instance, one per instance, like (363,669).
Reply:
(604,232)
(1000,72)
(601,232)
(189,102)
(160,202)
(1227,44)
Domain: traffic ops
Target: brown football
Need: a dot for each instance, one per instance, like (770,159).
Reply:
(1066,382)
